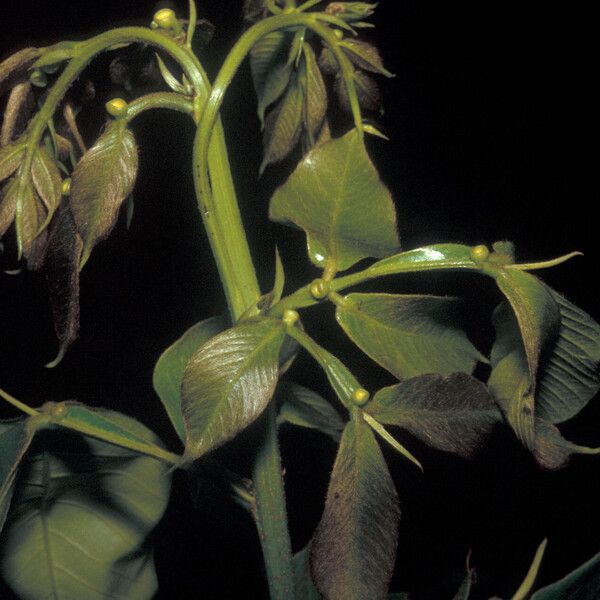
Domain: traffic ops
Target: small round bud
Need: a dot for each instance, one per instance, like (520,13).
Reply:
(290,317)
(59,410)
(319,289)
(117,107)
(165,18)
(153,25)
(38,78)
(65,187)
(479,253)
(360,396)
(339,34)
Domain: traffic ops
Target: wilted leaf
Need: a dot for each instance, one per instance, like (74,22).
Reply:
(336,196)
(305,408)
(283,126)
(16,66)
(10,159)
(18,109)
(271,68)
(315,95)
(408,335)
(102,180)
(62,274)
(229,382)
(15,438)
(169,369)
(454,413)
(582,584)
(304,587)
(353,549)
(80,518)
(365,56)
(569,375)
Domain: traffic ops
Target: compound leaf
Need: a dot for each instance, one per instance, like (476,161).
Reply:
(169,369)
(335,195)
(408,335)
(229,382)
(354,546)
(454,413)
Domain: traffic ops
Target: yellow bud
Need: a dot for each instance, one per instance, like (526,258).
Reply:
(290,317)
(360,396)
(479,253)
(339,34)
(165,18)
(65,188)
(319,289)
(59,410)
(117,107)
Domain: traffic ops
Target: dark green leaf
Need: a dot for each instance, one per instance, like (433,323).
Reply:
(271,68)
(15,67)
(315,95)
(305,408)
(169,369)
(408,335)
(80,518)
(10,159)
(15,438)
(283,126)
(62,274)
(304,587)
(454,413)
(365,56)
(229,382)
(102,180)
(569,375)
(336,196)
(46,179)
(354,546)
(581,584)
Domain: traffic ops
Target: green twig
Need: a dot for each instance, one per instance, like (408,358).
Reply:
(18,404)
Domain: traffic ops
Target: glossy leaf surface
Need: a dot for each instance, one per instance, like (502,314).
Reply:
(80,518)
(304,408)
(408,335)
(454,413)
(354,546)
(102,180)
(228,383)
(169,369)
(335,195)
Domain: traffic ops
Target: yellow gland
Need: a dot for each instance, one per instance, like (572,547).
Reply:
(360,396)
(117,107)
(165,18)
(479,253)
(65,188)
(58,411)
(290,317)
(319,289)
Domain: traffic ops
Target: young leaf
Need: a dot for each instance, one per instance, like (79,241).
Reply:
(304,587)
(46,179)
(15,438)
(8,206)
(353,550)
(315,95)
(569,375)
(365,56)
(19,106)
(102,180)
(408,335)
(169,369)
(228,383)
(271,68)
(33,240)
(16,66)
(304,408)
(336,196)
(453,413)
(581,584)
(62,274)
(279,283)
(283,126)
(80,518)
(10,159)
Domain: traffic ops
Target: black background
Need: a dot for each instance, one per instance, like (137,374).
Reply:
(492,119)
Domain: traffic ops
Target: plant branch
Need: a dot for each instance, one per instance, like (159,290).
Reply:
(28,410)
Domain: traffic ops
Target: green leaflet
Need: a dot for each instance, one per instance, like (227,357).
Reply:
(304,408)
(304,587)
(283,125)
(169,369)
(354,546)
(15,438)
(271,68)
(16,66)
(102,180)
(80,518)
(581,584)
(31,216)
(315,95)
(62,260)
(365,56)
(10,159)
(569,375)
(335,195)
(408,335)
(513,380)
(454,413)
(229,382)
(46,180)
(526,587)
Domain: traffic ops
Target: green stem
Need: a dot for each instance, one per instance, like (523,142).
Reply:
(270,512)
(166,100)
(18,404)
